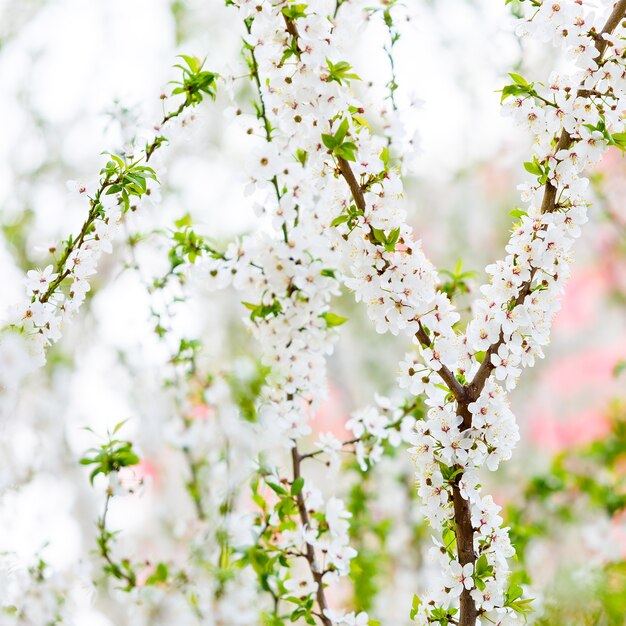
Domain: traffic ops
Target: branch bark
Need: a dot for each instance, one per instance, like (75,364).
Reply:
(548,205)
(462,514)
(310,552)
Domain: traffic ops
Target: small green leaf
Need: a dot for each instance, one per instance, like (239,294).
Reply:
(519,80)
(329,141)
(297,485)
(533,167)
(415,606)
(294,11)
(340,72)
(619,140)
(332,319)
(517,213)
(277,489)
(341,219)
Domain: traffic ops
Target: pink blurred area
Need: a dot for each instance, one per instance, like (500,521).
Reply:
(331,416)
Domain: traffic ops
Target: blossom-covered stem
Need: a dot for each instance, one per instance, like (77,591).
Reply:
(95,205)
(127,177)
(453,384)
(267,126)
(475,388)
(548,205)
(310,553)
(549,199)
(60,265)
(357,194)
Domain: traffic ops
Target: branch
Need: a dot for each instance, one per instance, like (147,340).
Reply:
(310,552)
(350,178)
(548,205)
(462,514)
(357,194)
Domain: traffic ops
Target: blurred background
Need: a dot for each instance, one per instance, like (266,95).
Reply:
(78,78)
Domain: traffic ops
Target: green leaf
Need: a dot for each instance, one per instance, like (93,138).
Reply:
(340,72)
(159,575)
(329,141)
(619,140)
(277,489)
(346,151)
(294,11)
(517,213)
(384,157)
(342,131)
(513,90)
(392,239)
(482,568)
(194,63)
(340,219)
(519,80)
(263,310)
(415,606)
(514,593)
(332,319)
(301,156)
(449,540)
(619,368)
(533,167)
(297,485)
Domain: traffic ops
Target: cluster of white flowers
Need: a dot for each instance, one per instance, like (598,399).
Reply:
(35,323)
(46,309)
(574,119)
(54,294)
(330,198)
(512,321)
(386,423)
(288,273)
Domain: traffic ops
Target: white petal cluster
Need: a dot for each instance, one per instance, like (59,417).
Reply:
(573,119)
(289,273)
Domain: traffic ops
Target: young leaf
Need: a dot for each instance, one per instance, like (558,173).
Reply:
(297,485)
(332,319)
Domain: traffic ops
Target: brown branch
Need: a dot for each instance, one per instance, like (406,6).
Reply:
(355,188)
(310,552)
(619,11)
(457,389)
(462,514)
(359,199)
(548,205)
(292,29)
(465,552)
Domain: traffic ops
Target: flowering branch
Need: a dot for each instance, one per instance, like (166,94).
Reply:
(123,180)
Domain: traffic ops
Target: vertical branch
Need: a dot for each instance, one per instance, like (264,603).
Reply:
(310,552)
(462,513)
(465,552)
